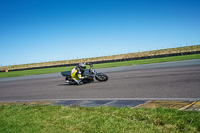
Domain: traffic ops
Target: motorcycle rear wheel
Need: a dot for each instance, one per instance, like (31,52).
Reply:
(67,79)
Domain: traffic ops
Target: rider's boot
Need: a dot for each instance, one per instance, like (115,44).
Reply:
(80,82)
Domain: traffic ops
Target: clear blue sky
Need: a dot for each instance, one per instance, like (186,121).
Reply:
(50,30)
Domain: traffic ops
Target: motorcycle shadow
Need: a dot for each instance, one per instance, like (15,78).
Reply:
(67,85)
(76,84)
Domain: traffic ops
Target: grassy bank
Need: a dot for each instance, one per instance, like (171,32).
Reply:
(106,58)
(103,65)
(15,119)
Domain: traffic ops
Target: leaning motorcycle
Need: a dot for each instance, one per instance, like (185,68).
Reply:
(89,75)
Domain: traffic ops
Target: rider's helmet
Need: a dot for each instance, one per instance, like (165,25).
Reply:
(82,66)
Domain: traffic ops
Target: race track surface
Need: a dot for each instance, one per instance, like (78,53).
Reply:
(172,80)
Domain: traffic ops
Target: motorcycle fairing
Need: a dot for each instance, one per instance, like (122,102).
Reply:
(68,73)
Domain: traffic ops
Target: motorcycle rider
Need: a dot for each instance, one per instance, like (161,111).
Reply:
(77,72)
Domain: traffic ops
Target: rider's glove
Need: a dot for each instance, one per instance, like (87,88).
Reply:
(81,78)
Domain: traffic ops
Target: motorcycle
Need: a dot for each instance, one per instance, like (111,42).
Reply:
(89,75)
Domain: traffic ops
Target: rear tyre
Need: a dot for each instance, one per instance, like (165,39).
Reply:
(67,79)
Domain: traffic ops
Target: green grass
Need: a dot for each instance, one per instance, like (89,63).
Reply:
(103,65)
(62,119)
(34,71)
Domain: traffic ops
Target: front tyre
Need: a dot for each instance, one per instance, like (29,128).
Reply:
(101,78)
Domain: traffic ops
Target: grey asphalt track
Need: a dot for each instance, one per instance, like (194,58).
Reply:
(178,80)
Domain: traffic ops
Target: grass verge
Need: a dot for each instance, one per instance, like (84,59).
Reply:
(48,118)
(96,66)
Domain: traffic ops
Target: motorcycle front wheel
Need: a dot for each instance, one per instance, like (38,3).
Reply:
(101,78)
